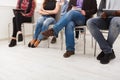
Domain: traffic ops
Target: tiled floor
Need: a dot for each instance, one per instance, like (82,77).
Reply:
(42,63)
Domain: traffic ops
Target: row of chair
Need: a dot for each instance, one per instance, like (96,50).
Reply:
(33,23)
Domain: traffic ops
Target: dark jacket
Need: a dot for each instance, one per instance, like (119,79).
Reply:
(101,7)
(90,7)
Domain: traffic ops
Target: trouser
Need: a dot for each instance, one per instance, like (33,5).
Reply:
(111,24)
(17,21)
(69,20)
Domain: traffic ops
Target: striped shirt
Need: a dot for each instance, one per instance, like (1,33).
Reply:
(24,6)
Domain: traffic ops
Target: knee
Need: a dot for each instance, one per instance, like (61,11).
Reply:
(89,23)
(115,21)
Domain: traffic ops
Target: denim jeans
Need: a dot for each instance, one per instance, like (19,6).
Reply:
(42,25)
(69,20)
(112,24)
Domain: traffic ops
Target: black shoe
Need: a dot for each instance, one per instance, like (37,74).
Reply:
(32,46)
(100,55)
(53,40)
(107,57)
(12,43)
(20,37)
(29,45)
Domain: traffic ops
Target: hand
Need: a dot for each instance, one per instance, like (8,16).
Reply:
(104,15)
(83,12)
(22,14)
(117,13)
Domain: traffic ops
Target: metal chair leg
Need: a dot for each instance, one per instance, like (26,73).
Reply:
(23,30)
(9,32)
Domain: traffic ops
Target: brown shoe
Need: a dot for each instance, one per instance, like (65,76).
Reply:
(31,42)
(45,38)
(35,44)
(53,40)
(48,33)
(68,54)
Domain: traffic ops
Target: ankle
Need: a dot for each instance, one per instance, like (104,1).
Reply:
(36,43)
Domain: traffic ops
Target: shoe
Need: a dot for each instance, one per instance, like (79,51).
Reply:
(31,42)
(48,33)
(100,55)
(13,43)
(53,40)
(20,37)
(29,45)
(68,54)
(45,38)
(35,44)
(107,57)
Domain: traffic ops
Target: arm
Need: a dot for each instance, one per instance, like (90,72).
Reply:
(42,11)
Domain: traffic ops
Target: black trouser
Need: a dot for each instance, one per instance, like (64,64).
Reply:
(17,21)
(77,32)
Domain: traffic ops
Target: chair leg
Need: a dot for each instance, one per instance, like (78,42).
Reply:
(23,30)
(8,32)
(95,48)
(48,42)
(85,41)
(62,40)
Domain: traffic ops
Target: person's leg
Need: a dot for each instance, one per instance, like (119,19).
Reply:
(39,25)
(37,30)
(94,25)
(14,28)
(70,43)
(45,26)
(72,15)
(114,31)
(19,20)
(13,40)
(76,33)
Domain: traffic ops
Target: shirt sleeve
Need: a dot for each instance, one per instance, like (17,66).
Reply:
(30,14)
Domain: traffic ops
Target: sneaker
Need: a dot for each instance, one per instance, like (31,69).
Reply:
(100,55)
(68,54)
(107,57)
(48,33)
(20,37)
(53,40)
(13,43)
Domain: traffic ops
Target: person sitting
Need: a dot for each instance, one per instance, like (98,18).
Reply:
(106,21)
(48,10)
(23,13)
(78,12)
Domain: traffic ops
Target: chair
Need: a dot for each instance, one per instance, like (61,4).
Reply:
(23,26)
(82,28)
(103,31)
(57,17)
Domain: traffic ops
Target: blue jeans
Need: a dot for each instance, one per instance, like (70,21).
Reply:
(112,24)
(69,20)
(42,25)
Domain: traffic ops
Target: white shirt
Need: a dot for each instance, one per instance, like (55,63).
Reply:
(113,4)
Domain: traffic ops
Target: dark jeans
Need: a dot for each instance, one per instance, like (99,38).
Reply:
(17,21)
